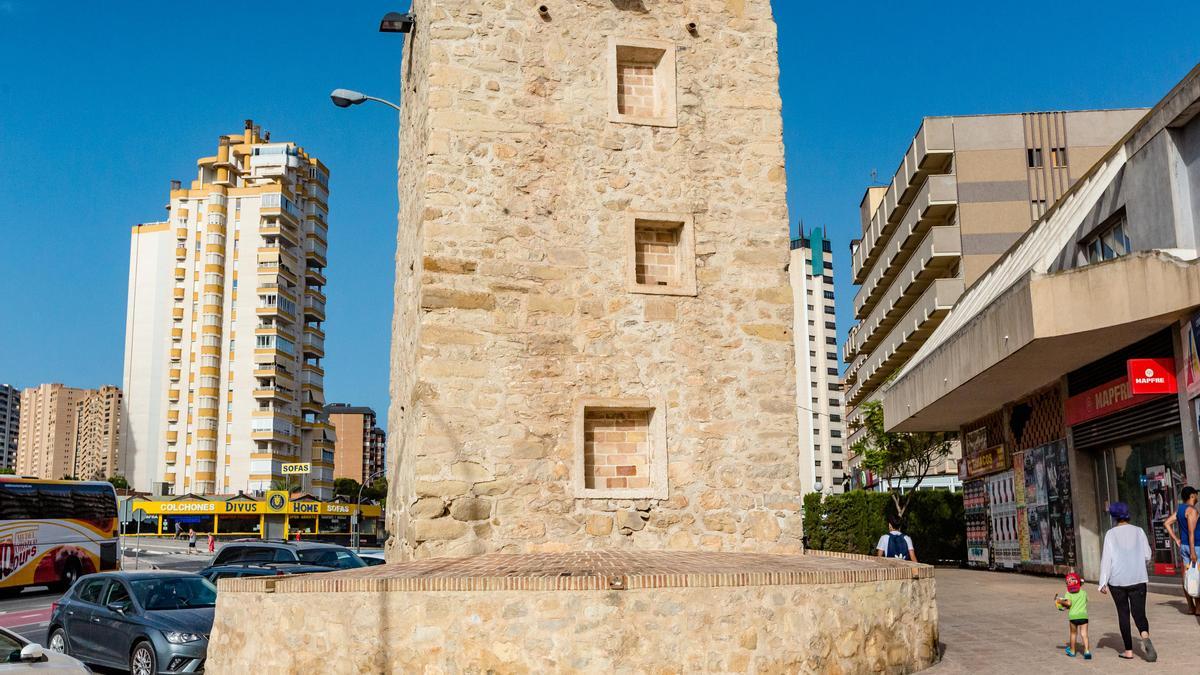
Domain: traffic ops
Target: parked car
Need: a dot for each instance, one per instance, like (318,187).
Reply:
(18,655)
(245,569)
(372,558)
(148,622)
(307,552)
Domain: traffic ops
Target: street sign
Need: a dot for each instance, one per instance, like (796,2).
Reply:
(296,469)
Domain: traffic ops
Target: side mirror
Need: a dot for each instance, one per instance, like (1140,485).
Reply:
(33,653)
(120,607)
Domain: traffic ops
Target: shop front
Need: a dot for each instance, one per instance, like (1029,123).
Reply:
(1129,441)
(277,516)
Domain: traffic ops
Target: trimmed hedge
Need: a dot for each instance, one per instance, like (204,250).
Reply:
(853,522)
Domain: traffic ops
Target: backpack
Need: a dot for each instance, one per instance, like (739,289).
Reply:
(897,546)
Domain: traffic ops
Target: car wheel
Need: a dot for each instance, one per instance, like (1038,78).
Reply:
(58,641)
(142,660)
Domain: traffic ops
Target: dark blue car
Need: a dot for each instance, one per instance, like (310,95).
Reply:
(147,622)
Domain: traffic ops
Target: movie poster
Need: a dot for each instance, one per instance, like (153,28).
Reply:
(1048,515)
(1022,525)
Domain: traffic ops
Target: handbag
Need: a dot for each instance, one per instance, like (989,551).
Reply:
(1191,581)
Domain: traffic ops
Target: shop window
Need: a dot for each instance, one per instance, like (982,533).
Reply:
(620,449)
(641,81)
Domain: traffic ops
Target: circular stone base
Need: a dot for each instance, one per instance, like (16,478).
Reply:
(592,611)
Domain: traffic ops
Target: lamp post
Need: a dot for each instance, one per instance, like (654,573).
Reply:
(344,98)
(358,510)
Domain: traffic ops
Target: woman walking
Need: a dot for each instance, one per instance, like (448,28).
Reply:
(1123,575)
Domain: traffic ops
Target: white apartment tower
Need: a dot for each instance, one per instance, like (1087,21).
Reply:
(10,424)
(223,338)
(818,385)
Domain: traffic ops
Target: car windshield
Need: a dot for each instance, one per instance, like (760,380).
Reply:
(174,593)
(331,557)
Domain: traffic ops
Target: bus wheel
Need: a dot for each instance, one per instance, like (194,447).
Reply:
(69,575)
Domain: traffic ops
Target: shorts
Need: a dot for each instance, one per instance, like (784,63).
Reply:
(191,544)
(1186,552)
(1078,622)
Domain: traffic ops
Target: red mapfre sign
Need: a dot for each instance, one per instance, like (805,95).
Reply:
(1103,400)
(1151,376)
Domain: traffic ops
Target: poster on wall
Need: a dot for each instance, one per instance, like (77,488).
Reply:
(975,514)
(1160,497)
(1002,512)
(1047,514)
(1018,461)
(1191,355)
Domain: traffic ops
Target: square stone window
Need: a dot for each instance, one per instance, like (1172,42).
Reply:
(641,81)
(620,449)
(662,254)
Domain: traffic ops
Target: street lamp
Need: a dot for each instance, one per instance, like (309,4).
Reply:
(358,511)
(344,98)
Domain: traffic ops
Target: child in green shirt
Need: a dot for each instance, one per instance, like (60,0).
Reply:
(1075,601)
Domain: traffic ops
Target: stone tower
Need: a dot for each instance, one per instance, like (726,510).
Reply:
(591,342)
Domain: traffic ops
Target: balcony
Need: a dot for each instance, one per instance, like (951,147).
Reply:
(314,277)
(180,273)
(181,233)
(180,253)
(314,309)
(934,205)
(933,258)
(929,153)
(315,252)
(907,335)
(314,344)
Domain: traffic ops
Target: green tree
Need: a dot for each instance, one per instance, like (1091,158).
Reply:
(284,483)
(5,471)
(345,487)
(377,490)
(118,481)
(892,456)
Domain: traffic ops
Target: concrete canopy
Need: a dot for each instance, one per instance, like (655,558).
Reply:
(1042,327)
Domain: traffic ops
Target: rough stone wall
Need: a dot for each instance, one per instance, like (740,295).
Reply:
(879,627)
(516,191)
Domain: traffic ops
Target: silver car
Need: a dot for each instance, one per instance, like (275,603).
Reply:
(148,622)
(18,655)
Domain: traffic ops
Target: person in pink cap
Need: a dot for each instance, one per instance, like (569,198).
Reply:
(1076,602)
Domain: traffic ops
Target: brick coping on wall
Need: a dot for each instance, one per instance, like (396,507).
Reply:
(594,570)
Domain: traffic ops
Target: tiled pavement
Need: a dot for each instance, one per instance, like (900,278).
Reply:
(994,622)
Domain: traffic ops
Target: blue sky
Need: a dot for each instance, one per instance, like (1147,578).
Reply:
(102,104)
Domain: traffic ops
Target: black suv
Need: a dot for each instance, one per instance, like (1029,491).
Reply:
(267,569)
(308,553)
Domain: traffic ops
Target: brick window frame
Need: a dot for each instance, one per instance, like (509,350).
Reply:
(685,252)
(656,437)
(659,53)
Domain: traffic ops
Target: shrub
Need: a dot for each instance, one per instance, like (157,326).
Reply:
(853,522)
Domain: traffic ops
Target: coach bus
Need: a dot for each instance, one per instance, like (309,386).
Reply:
(54,531)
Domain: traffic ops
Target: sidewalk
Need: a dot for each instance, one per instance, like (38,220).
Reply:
(993,622)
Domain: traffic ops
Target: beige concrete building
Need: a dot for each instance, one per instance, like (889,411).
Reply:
(223,384)
(818,383)
(1073,362)
(966,189)
(97,434)
(358,448)
(592,342)
(10,424)
(47,440)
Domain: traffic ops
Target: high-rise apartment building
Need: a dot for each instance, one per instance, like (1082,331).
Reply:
(10,424)
(967,188)
(223,342)
(359,444)
(97,433)
(46,443)
(818,384)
